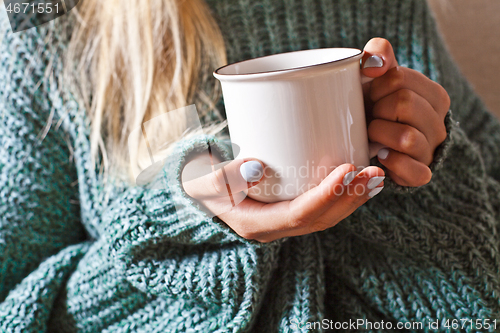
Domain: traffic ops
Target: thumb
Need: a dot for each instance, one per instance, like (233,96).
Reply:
(378,57)
(221,180)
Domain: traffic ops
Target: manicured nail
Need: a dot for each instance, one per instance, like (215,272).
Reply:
(383,153)
(349,177)
(251,171)
(375,191)
(373,61)
(374,182)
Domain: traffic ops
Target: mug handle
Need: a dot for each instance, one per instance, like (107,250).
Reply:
(373,147)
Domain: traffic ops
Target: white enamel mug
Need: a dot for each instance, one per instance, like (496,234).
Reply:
(301,113)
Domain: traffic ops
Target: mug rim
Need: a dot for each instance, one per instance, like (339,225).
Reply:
(219,75)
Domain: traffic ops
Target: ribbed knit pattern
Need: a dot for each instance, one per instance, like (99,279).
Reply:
(150,259)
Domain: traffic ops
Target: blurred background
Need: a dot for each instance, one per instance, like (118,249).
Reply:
(471,29)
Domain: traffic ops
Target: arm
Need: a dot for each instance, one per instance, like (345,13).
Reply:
(442,240)
(166,244)
(37,218)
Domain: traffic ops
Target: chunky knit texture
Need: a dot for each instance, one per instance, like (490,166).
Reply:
(77,256)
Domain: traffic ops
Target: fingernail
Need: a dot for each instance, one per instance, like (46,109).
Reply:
(375,191)
(251,171)
(373,61)
(374,182)
(383,153)
(349,177)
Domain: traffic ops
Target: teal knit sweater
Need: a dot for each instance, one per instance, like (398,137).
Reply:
(80,256)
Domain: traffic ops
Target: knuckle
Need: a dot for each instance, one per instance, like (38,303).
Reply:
(404,101)
(396,78)
(423,178)
(245,233)
(409,139)
(298,223)
(247,236)
(405,96)
(441,133)
(419,178)
(446,98)
(319,226)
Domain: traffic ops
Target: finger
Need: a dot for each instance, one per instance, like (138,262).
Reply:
(403,169)
(407,107)
(252,219)
(368,183)
(399,78)
(311,204)
(378,57)
(226,179)
(303,219)
(402,138)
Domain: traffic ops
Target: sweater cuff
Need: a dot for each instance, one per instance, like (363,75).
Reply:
(440,155)
(195,223)
(187,207)
(166,244)
(162,213)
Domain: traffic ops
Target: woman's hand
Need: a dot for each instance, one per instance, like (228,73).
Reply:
(322,207)
(406,112)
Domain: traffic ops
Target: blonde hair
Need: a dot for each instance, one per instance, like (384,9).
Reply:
(132,60)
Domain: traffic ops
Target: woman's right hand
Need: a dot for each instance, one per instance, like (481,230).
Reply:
(320,208)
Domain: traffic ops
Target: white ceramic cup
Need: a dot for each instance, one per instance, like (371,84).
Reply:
(301,113)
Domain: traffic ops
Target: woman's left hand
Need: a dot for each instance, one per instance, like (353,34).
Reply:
(405,113)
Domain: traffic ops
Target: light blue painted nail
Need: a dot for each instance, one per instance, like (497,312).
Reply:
(373,61)
(251,171)
(374,182)
(349,177)
(383,153)
(375,191)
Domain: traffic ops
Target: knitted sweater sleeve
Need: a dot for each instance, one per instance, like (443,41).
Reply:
(442,240)
(430,56)
(168,245)
(37,216)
